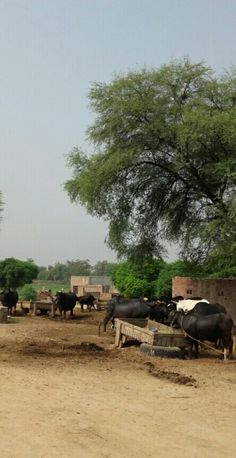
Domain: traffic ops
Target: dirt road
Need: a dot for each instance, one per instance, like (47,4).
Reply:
(66,393)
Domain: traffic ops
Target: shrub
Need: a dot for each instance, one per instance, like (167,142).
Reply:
(28,293)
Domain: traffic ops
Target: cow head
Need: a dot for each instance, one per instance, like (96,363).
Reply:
(176,318)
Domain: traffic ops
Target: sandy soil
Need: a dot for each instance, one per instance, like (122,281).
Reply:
(67,393)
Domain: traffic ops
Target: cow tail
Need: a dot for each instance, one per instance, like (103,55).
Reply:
(233,335)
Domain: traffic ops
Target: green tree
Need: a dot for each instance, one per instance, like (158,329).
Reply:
(79,267)
(14,273)
(103,268)
(163,287)
(164,166)
(28,293)
(137,279)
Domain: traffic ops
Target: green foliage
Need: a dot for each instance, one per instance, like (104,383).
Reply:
(173,269)
(164,166)
(15,273)
(28,292)
(54,286)
(134,280)
(79,267)
(62,272)
(103,268)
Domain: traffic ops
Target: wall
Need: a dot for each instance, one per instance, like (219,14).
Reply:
(86,284)
(221,290)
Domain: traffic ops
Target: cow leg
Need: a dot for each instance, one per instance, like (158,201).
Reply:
(104,324)
(190,349)
(82,307)
(71,312)
(196,346)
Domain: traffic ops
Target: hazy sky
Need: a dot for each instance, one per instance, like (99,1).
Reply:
(51,51)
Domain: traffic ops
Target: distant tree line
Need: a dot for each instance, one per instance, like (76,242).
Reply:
(63,272)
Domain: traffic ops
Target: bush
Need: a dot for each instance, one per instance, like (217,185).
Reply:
(28,293)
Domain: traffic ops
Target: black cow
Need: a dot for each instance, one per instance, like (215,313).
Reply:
(9,299)
(159,312)
(202,308)
(65,302)
(214,327)
(118,307)
(87,299)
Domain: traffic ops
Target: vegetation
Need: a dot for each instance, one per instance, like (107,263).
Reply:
(137,279)
(28,293)
(15,273)
(63,272)
(163,286)
(164,166)
(54,286)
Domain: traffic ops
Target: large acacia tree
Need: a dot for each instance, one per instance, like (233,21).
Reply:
(164,162)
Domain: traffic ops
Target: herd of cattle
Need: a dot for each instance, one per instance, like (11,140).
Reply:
(200,320)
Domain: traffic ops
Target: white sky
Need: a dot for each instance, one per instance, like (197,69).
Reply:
(51,51)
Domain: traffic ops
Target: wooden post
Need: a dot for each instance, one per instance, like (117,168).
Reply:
(117,339)
(123,340)
(225,354)
(34,309)
(53,310)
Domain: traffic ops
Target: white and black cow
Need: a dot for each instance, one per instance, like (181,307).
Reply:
(186,304)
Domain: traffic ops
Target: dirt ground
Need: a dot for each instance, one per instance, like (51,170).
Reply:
(67,393)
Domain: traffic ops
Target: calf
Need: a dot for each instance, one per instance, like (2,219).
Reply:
(87,299)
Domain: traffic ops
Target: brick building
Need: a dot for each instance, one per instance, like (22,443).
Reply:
(222,290)
(100,286)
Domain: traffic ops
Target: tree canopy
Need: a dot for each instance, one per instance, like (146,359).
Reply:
(164,162)
(14,273)
(137,279)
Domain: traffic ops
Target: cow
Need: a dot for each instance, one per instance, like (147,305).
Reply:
(198,328)
(210,309)
(87,299)
(118,307)
(185,304)
(65,302)
(159,312)
(9,299)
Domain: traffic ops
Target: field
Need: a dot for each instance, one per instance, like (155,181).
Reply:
(67,393)
(41,285)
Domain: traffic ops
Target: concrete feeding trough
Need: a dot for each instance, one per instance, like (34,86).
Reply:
(3,314)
